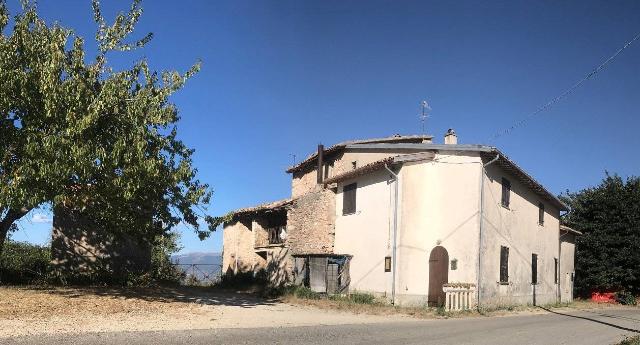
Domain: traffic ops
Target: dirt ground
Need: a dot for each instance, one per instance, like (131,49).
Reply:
(36,310)
(53,310)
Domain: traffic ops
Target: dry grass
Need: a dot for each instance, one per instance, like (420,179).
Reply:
(382,308)
(41,302)
(630,341)
(374,308)
(52,310)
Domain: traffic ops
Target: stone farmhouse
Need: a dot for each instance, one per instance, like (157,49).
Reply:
(413,221)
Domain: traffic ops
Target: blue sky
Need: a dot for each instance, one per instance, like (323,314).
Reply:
(279,77)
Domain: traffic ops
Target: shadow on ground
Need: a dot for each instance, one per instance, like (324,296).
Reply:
(199,295)
(633,320)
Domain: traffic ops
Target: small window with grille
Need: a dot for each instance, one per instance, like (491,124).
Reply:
(534,269)
(504,265)
(387,264)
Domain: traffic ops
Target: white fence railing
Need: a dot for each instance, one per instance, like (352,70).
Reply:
(459,296)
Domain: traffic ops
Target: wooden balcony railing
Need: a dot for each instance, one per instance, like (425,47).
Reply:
(276,234)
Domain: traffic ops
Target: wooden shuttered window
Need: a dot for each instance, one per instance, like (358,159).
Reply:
(506,192)
(534,268)
(541,213)
(504,264)
(349,199)
(556,269)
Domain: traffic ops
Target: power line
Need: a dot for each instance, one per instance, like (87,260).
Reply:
(557,99)
(566,92)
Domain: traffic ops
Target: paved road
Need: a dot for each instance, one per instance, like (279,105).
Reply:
(576,327)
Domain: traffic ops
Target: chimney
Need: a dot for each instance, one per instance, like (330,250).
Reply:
(450,138)
(320,162)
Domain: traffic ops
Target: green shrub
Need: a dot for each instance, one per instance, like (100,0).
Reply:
(162,269)
(24,263)
(626,298)
(305,293)
(362,298)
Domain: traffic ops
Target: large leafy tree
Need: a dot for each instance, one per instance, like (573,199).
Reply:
(608,252)
(75,131)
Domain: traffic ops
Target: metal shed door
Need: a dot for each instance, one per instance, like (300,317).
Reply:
(318,274)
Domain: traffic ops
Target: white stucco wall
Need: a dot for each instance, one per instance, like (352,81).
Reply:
(567,258)
(366,234)
(517,228)
(439,206)
(305,182)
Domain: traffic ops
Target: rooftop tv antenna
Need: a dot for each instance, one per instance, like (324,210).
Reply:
(425,114)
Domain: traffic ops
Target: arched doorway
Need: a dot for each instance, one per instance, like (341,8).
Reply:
(438,275)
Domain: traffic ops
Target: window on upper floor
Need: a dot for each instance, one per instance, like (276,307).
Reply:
(541,213)
(506,192)
(504,264)
(349,199)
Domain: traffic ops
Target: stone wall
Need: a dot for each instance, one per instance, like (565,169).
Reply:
(238,253)
(279,266)
(306,180)
(310,224)
(259,228)
(80,247)
(303,182)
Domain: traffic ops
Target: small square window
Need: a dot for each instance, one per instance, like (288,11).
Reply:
(454,264)
(387,264)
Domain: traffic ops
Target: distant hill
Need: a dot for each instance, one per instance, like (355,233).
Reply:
(203,266)
(198,258)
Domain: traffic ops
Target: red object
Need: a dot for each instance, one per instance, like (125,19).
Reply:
(603,297)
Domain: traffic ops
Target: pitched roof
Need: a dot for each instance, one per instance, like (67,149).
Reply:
(340,146)
(363,170)
(486,152)
(270,206)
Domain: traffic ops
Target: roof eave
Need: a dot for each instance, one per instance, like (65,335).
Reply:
(535,185)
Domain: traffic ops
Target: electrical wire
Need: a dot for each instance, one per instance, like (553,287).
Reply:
(566,93)
(560,97)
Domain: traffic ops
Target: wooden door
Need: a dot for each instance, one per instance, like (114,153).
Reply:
(318,274)
(438,275)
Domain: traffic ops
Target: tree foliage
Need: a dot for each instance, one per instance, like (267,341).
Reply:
(24,263)
(75,131)
(608,252)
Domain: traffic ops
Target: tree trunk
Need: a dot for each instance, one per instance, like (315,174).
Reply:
(5,224)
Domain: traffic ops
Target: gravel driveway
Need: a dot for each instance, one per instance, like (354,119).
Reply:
(35,311)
